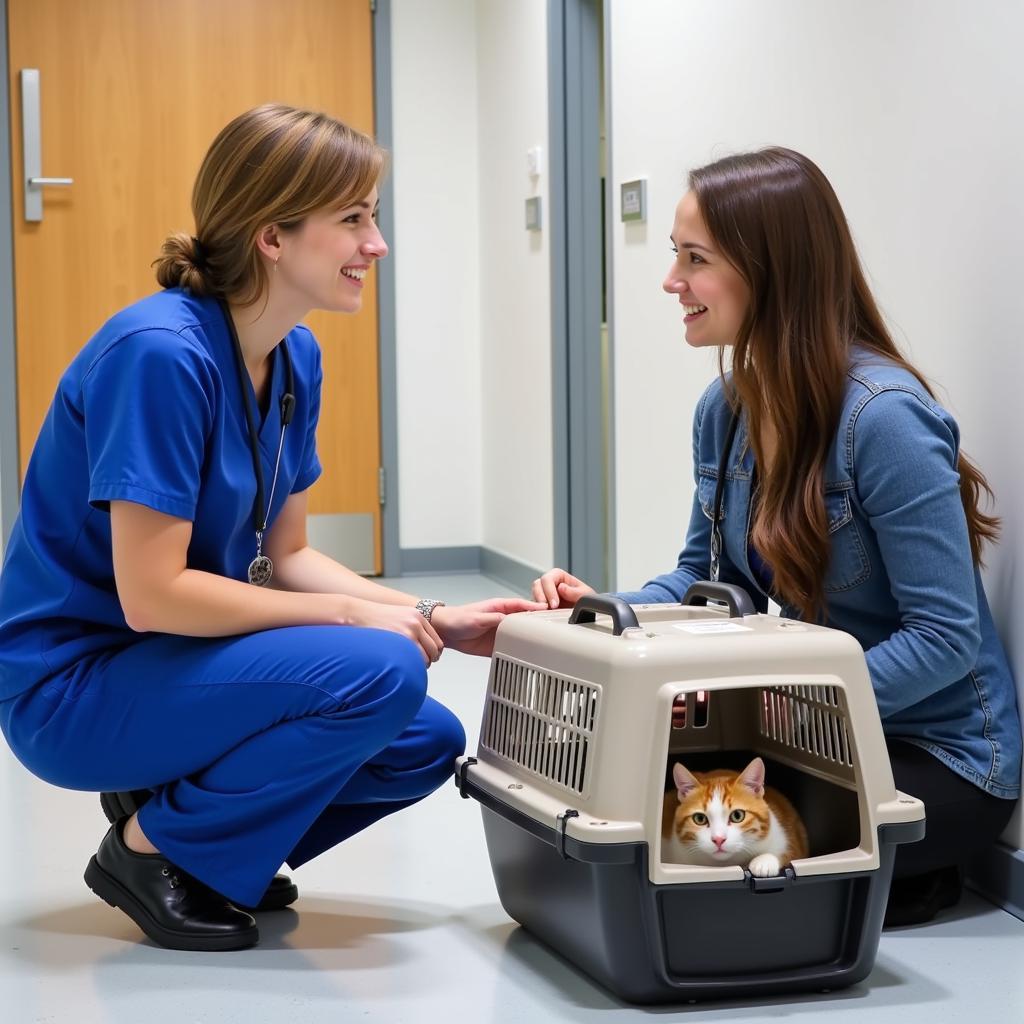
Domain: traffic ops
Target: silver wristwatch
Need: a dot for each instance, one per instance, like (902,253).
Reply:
(425,606)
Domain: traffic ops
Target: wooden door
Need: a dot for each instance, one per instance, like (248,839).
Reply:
(132,93)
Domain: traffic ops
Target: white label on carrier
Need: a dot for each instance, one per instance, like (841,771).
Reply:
(711,627)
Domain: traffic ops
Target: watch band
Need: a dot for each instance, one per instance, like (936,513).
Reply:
(425,606)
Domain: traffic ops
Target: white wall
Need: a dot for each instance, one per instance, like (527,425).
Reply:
(473,322)
(436,253)
(914,111)
(515,318)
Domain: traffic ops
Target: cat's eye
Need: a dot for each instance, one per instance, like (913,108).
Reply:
(700,818)
(737,816)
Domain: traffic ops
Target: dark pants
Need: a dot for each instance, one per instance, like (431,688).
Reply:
(961,820)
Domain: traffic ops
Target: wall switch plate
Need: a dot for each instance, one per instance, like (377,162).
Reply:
(634,200)
(533,213)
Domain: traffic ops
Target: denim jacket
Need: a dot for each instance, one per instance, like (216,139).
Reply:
(900,577)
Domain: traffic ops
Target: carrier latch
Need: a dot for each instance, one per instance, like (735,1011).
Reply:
(460,776)
(773,883)
(563,821)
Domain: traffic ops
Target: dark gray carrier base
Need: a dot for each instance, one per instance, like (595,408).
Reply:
(595,904)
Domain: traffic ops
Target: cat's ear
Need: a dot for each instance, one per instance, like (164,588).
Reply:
(685,782)
(753,777)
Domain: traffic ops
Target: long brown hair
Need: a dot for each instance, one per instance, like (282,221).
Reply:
(273,164)
(777,220)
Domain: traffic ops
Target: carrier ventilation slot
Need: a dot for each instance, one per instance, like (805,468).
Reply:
(541,722)
(691,710)
(810,720)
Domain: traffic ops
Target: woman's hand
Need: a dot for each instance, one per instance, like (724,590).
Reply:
(557,588)
(396,618)
(470,628)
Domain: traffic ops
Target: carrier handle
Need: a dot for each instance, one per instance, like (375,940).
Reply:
(735,597)
(623,616)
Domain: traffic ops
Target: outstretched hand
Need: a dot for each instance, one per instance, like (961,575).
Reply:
(470,628)
(560,589)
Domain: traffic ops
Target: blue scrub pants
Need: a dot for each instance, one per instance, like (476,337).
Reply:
(262,749)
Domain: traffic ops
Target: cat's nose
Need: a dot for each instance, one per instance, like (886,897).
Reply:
(719,841)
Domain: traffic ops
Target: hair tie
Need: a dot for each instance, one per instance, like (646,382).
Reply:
(199,260)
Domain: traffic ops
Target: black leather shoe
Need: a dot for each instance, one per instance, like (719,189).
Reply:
(282,891)
(174,909)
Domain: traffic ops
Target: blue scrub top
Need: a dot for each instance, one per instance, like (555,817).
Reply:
(150,411)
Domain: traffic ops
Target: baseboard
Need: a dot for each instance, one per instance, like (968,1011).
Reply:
(471,559)
(345,537)
(998,875)
(504,569)
(440,561)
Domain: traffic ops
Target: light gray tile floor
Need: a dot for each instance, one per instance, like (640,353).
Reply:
(401,923)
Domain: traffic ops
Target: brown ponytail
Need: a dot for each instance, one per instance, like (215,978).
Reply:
(181,264)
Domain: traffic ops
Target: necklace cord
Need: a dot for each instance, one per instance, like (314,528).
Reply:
(723,465)
(260,514)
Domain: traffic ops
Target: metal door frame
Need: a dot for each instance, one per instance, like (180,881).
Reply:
(9,471)
(583,434)
(387,368)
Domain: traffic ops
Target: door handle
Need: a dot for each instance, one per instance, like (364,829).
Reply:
(32,147)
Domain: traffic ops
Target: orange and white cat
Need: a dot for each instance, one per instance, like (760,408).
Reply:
(723,817)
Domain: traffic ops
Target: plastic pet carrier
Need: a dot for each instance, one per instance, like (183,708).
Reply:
(585,716)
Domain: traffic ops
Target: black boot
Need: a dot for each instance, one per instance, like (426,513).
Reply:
(174,909)
(282,891)
(916,899)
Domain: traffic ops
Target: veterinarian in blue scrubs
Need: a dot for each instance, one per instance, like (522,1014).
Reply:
(164,624)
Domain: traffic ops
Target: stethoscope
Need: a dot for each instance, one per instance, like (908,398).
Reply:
(261,568)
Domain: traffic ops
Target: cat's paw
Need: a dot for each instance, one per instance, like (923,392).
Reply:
(765,865)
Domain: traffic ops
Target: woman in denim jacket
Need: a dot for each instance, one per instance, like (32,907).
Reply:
(846,497)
